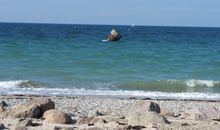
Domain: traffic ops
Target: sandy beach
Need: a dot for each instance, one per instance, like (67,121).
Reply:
(99,112)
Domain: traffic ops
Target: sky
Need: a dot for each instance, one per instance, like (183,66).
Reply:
(202,13)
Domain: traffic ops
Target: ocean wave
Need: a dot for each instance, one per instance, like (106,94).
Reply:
(173,85)
(114,93)
(20,84)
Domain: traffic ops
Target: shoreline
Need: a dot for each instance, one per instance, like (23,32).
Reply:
(86,107)
(111,96)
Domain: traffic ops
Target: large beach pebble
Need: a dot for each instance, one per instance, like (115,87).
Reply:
(166,113)
(90,120)
(2,126)
(146,106)
(144,113)
(25,110)
(57,116)
(204,114)
(43,103)
(3,104)
(17,127)
(2,109)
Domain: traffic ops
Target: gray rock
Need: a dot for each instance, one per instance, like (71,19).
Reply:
(2,109)
(25,111)
(203,114)
(28,122)
(43,103)
(144,118)
(144,113)
(2,126)
(3,104)
(102,112)
(57,117)
(17,127)
(89,120)
(166,113)
(146,106)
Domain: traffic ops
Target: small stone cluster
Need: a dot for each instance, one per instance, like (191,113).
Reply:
(41,113)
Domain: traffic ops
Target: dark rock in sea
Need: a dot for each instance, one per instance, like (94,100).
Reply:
(114,35)
(102,112)
(3,105)
(29,122)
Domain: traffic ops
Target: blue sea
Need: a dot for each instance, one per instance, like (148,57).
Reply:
(149,61)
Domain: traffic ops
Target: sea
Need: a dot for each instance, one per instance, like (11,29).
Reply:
(148,61)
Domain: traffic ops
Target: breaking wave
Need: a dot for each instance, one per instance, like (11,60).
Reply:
(160,89)
(20,84)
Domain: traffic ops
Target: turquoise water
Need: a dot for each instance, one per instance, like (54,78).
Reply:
(179,62)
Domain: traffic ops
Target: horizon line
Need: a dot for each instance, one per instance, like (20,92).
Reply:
(140,25)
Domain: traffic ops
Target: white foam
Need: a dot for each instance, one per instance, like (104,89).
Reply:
(11,84)
(195,82)
(208,83)
(75,92)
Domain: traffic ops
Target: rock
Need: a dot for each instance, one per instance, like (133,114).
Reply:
(104,113)
(108,119)
(17,127)
(57,117)
(2,126)
(143,118)
(165,113)
(90,120)
(145,112)
(146,106)
(184,115)
(3,104)
(123,127)
(28,122)
(203,114)
(114,35)
(25,111)
(43,103)
(2,109)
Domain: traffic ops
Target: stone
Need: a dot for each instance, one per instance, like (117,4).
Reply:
(2,109)
(144,113)
(17,127)
(141,118)
(166,113)
(25,111)
(146,106)
(57,117)
(43,103)
(2,126)
(90,120)
(104,113)
(29,122)
(3,104)
(203,114)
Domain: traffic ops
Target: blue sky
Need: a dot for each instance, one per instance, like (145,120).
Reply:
(123,12)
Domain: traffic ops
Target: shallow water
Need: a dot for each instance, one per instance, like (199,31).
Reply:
(72,59)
